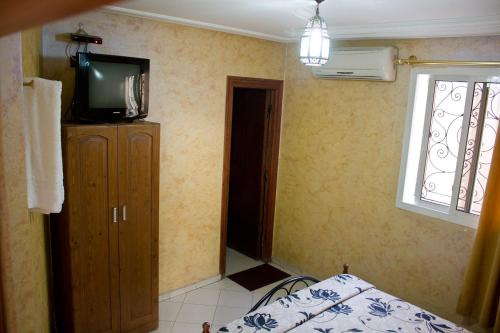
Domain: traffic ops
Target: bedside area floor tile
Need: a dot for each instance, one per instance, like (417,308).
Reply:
(218,303)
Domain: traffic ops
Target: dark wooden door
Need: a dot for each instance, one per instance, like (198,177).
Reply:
(270,151)
(88,227)
(138,169)
(247,171)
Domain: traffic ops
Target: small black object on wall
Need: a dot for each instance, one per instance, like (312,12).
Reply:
(88,39)
(82,38)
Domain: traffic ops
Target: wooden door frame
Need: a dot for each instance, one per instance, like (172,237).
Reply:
(275,127)
(3,327)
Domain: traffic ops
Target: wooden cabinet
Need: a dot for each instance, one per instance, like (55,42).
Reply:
(105,241)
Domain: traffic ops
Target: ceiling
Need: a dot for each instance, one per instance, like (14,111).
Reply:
(283,20)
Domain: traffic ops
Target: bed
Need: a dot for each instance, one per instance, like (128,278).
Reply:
(343,303)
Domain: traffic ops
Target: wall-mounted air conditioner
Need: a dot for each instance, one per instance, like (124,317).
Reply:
(359,63)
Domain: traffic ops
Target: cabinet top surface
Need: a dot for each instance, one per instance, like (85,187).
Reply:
(134,123)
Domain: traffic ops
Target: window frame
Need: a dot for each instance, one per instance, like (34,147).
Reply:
(416,204)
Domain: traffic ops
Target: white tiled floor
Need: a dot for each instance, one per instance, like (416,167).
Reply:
(218,303)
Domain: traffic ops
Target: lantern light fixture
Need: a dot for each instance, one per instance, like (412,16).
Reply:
(315,41)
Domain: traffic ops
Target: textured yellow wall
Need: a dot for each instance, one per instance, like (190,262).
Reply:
(338,174)
(189,67)
(31,41)
(26,308)
(31,47)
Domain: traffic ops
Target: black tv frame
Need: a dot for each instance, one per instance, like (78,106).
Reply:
(81,110)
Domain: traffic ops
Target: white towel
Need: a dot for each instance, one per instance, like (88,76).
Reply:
(44,171)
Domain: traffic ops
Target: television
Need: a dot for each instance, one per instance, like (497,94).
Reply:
(110,88)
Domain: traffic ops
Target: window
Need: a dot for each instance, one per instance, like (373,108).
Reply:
(453,118)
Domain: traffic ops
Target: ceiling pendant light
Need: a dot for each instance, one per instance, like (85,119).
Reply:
(315,42)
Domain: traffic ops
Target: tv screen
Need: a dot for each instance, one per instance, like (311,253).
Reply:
(111,87)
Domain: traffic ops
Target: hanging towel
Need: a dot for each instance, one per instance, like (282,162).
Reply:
(44,172)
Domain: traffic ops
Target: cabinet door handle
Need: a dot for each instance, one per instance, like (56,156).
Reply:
(115,214)
(124,213)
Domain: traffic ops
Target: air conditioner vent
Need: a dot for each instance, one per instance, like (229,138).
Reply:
(359,63)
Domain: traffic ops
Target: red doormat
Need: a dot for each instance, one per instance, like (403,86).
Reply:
(258,277)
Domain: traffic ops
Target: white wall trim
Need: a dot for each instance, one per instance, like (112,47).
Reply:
(285,267)
(455,27)
(193,23)
(177,292)
(297,271)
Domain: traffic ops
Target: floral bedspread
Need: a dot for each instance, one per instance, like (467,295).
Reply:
(342,303)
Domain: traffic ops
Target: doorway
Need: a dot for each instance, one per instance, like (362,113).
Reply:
(251,147)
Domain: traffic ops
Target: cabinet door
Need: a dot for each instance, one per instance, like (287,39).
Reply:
(90,156)
(138,168)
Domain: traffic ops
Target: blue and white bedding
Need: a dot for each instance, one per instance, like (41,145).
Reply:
(342,303)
